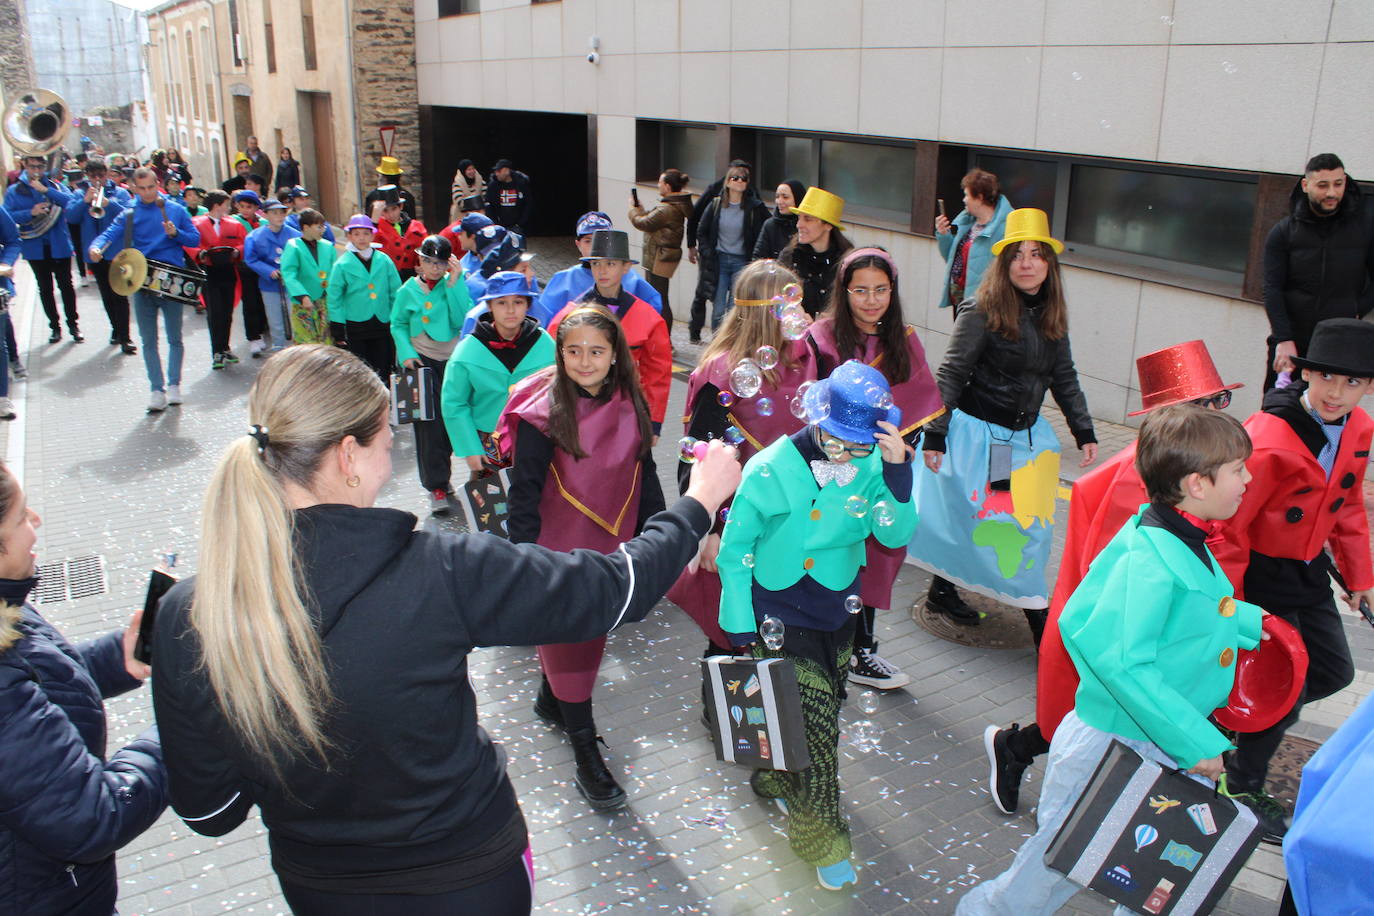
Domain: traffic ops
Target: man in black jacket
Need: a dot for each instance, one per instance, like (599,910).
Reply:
(509,202)
(1318,261)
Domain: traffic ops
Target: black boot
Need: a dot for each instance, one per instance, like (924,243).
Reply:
(1036,618)
(546,705)
(594,781)
(55,334)
(944,598)
(76,334)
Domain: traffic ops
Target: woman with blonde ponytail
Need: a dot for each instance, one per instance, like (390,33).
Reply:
(317,665)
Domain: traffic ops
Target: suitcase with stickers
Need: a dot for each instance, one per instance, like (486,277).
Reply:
(756,714)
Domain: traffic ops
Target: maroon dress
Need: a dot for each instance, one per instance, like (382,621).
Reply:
(590,503)
(919,399)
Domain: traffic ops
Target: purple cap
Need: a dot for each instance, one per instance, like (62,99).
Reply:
(358,221)
(591,222)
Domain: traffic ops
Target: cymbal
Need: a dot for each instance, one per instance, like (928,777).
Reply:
(128,270)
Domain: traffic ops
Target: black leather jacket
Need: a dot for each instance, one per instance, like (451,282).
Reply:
(1004,381)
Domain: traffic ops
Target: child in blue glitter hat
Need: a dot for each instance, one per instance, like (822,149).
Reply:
(792,549)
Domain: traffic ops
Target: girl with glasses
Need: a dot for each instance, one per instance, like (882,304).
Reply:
(987,506)
(864,322)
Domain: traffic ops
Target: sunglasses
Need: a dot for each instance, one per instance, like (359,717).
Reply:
(834,446)
(1218,401)
(738,178)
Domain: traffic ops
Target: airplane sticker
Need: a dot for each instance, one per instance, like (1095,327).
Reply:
(1162,804)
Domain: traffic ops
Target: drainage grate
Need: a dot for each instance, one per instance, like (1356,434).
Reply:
(70,579)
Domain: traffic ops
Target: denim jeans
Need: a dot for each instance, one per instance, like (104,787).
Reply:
(147,306)
(278,318)
(729,265)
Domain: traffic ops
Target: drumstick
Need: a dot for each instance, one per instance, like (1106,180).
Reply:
(1365,611)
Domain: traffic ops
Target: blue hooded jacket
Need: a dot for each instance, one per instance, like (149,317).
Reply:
(149,236)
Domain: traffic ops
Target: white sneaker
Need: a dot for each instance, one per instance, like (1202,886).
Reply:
(173,394)
(7,411)
(255,348)
(157,403)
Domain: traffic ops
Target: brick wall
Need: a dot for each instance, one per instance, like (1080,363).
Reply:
(384,88)
(16,59)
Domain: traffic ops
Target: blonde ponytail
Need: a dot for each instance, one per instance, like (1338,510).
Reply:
(259,646)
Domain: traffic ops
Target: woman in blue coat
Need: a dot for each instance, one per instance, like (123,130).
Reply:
(64,807)
(966,241)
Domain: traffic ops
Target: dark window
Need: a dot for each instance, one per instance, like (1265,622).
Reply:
(782,157)
(1025,182)
(308,33)
(457,7)
(1193,219)
(235,41)
(875,179)
(691,149)
(268,36)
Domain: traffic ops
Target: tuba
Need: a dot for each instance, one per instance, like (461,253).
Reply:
(35,123)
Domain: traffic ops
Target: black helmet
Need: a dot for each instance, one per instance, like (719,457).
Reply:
(436,248)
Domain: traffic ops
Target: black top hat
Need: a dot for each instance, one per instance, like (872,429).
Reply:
(1344,346)
(390,194)
(610,244)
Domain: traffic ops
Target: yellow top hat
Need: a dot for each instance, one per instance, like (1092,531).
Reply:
(824,206)
(1027,225)
(390,166)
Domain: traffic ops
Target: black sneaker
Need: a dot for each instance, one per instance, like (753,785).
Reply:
(217,362)
(1273,818)
(944,598)
(869,668)
(1004,769)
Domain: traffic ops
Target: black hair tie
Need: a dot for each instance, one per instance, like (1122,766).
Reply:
(259,433)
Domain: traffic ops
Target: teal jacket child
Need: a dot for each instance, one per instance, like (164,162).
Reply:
(1154,632)
(360,293)
(437,312)
(306,273)
(477,382)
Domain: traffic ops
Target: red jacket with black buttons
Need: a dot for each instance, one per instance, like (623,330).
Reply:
(402,248)
(1293,510)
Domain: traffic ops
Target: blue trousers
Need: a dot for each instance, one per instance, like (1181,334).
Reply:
(728,265)
(147,307)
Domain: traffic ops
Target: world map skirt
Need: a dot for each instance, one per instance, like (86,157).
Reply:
(993,542)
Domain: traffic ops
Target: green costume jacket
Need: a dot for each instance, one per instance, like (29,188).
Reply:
(438,312)
(1154,636)
(477,384)
(357,293)
(794,528)
(304,274)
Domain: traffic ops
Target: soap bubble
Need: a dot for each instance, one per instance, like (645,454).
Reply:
(1228,67)
(856,506)
(818,408)
(746,378)
(725,514)
(733,435)
(863,736)
(803,388)
(766,357)
(794,327)
(765,407)
(726,398)
(773,631)
(1076,75)
(779,307)
(686,449)
(747,560)
(883,514)
(792,292)
(884,400)
(765,471)
(798,408)
(1167,20)
(868,702)
(1105,124)
(833,449)
(853,604)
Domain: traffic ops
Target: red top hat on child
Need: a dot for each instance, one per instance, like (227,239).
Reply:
(1174,375)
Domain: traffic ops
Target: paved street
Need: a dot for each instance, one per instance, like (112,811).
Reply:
(114,482)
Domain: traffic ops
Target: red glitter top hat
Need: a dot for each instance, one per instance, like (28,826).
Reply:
(1183,372)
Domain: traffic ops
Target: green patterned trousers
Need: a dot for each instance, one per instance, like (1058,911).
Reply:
(816,830)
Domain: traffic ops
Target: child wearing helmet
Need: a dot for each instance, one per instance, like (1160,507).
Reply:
(1153,632)
(792,550)
(425,318)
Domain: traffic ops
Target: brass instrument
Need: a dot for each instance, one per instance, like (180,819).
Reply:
(98,204)
(35,124)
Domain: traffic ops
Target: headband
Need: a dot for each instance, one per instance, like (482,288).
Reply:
(856,253)
(753,302)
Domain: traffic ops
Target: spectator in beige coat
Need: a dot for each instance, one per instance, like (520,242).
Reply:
(663,228)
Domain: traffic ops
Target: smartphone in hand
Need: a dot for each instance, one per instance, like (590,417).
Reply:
(940,206)
(158,584)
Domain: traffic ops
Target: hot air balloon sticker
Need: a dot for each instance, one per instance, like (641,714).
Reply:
(1144,836)
(737,714)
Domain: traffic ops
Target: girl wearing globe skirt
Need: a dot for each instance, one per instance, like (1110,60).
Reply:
(715,410)
(578,436)
(864,322)
(792,550)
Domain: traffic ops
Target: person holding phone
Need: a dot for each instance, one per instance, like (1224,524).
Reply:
(966,241)
(67,806)
(663,228)
(987,505)
(316,666)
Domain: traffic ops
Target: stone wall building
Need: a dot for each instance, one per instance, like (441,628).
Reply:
(320,77)
(1161,136)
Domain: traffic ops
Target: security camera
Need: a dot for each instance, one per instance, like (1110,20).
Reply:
(593,57)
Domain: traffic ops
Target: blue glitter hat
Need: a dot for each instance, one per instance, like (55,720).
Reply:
(853,395)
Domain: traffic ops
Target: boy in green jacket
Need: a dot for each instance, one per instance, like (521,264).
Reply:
(425,321)
(1153,631)
(305,265)
(505,345)
(792,550)
(362,285)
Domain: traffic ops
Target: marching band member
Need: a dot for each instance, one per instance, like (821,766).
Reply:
(29,201)
(79,214)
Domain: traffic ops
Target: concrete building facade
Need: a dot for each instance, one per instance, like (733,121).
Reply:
(321,77)
(1162,136)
